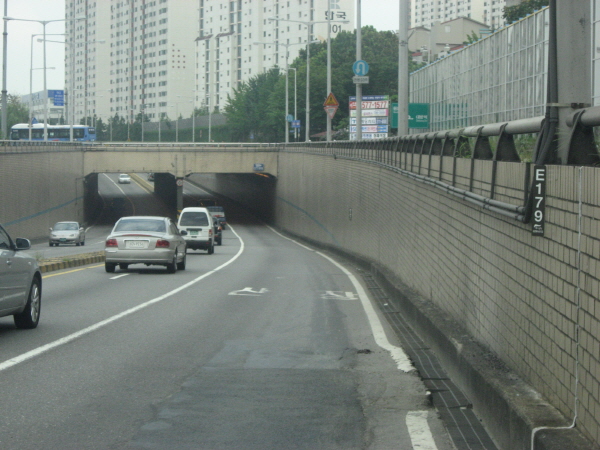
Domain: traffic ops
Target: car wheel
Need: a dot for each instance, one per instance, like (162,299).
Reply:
(30,316)
(51,244)
(77,244)
(82,242)
(123,266)
(211,249)
(172,267)
(110,268)
(181,265)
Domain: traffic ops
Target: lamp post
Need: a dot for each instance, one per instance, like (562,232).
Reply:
(130,111)
(403,82)
(71,98)
(142,110)
(358,58)
(177,120)
(31,69)
(287,54)
(4,62)
(295,100)
(308,25)
(207,38)
(44,23)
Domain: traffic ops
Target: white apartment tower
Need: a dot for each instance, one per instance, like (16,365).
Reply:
(239,39)
(425,12)
(165,57)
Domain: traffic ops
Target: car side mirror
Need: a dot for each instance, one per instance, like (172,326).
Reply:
(22,244)
(50,228)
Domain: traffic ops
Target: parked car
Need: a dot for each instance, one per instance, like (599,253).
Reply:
(20,282)
(197,223)
(67,233)
(124,179)
(218,231)
(149,240)
(218,212)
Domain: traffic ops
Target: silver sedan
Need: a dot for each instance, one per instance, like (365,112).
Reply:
(67,233)
(20,282)
(148,240)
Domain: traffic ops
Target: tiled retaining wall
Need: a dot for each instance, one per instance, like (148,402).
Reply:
(532,301)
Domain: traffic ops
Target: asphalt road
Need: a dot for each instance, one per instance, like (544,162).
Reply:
(266,344)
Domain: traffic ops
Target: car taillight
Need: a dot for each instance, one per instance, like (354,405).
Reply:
(162,243)
(210,232)
(111,243)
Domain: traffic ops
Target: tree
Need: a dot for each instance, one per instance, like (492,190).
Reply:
(253,111)
(16,112)
(472,38)
(257,108)
(526,7)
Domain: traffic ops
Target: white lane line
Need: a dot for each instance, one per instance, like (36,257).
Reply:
(402,360)
(45,348)
(119,276)
(420,433)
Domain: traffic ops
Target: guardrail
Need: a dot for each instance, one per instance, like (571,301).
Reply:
(415,155)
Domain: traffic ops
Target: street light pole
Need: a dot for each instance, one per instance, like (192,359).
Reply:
(295,101)
(403,82)
(309,25)
(358,85)
(44,23)
(328,134)
(4,61)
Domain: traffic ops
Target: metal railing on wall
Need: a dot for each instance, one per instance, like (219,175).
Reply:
(412,155)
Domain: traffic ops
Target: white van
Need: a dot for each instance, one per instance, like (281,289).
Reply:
(198,226)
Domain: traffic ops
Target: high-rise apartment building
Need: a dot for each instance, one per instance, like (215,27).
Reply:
(165,57)
(425,12)
(241,38)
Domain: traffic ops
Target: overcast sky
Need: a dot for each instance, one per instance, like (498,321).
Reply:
(382,14)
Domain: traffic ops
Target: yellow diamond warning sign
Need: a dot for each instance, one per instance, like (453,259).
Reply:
(331,100)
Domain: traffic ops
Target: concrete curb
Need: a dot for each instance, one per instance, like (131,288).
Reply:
(510,409)
(66,262)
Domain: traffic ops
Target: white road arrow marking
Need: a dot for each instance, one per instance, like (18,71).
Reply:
(248,291)
(339,295)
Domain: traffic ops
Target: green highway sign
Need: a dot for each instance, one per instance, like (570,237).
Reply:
(418,115)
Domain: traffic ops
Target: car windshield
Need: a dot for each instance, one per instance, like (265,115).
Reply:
(65,226)
(193,218)
(153,225)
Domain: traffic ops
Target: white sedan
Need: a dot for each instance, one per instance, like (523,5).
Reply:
(124,179)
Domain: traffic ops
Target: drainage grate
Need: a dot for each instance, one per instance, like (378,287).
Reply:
(454,407)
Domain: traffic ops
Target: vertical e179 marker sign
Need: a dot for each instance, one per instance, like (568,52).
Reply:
(539,200)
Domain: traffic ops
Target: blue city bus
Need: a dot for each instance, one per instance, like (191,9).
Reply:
(20,132)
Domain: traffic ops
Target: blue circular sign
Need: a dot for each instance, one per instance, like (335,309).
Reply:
(360,68)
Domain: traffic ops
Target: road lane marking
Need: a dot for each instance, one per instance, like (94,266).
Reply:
(419,431)
(402,360)
(65,340)
(119,276)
